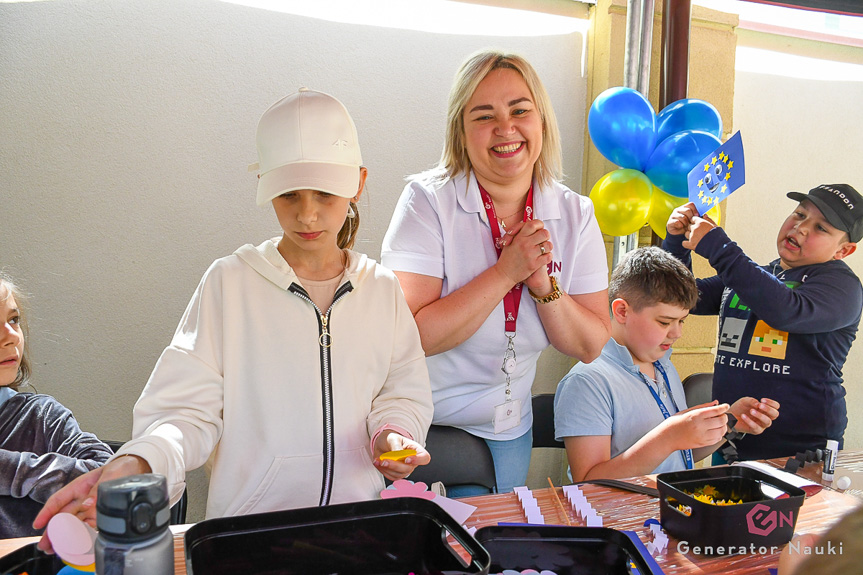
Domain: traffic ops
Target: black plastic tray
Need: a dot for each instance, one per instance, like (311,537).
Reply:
(390,536)
(566,550)
(766,518)
(29,559)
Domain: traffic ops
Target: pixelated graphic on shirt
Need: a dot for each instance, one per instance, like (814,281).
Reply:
(731,334)
(737,304)
(768,342)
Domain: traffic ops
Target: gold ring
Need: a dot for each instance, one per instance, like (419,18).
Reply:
(541,250)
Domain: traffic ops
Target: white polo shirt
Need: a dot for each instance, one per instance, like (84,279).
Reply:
(443,231)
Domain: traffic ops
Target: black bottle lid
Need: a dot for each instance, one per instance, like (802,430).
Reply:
(133,508)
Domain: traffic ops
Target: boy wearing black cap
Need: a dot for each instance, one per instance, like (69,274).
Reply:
(785,329)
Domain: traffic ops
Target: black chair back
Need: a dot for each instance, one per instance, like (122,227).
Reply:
(457,458)
(698,388)
(543,421)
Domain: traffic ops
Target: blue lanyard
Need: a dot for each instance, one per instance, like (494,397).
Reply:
(686,454)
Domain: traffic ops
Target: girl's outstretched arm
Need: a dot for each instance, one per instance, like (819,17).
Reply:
(79,496)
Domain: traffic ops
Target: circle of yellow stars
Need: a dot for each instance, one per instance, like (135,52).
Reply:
(729,164)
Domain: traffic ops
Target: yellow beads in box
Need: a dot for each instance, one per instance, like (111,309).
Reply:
(708,494)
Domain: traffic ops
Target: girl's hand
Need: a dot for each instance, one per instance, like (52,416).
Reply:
(681,219)
(526,249)
(79,496)
(754,416)
(389,440)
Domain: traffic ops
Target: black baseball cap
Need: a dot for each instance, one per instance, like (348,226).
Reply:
(841,205)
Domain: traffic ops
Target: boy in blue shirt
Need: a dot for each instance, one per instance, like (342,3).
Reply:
(625,413)
(785,329)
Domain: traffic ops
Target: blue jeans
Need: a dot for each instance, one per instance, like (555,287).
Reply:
(511,462)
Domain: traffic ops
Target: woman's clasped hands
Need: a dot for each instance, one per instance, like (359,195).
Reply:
(526,251)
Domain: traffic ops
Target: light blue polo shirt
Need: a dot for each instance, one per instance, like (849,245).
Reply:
(609,397)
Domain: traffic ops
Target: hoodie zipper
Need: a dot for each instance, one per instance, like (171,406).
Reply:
(324,343)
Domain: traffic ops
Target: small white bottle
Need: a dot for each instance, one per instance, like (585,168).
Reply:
(830,460)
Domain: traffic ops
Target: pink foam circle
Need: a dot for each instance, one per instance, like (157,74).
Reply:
(71,538)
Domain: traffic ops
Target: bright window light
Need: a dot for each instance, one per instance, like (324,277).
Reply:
(793,66)
(793,22)
(791,18)
(439,16)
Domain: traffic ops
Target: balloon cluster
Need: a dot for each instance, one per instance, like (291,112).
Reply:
(655,153)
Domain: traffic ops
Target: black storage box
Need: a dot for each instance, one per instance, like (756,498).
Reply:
(566,550)
(29,559)
(390,536)
(765,518)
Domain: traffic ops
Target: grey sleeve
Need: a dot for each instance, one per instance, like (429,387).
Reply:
(44,449)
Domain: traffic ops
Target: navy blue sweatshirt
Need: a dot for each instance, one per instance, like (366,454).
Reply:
(783,334)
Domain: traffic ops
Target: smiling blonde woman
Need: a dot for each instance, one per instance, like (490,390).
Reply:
(498,259)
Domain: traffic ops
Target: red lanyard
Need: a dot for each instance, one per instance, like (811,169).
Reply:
(512,299)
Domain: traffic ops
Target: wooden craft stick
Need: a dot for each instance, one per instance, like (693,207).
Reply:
(559,504)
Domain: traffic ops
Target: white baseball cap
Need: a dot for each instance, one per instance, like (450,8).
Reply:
(307,141)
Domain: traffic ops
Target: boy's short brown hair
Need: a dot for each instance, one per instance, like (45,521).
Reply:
(649,276)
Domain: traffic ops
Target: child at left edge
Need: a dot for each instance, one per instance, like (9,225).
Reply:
(297,362)
(42,447)
(625,413)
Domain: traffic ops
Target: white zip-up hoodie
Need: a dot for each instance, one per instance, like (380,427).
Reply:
(280,397)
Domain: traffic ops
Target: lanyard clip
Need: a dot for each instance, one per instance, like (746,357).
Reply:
(509,358)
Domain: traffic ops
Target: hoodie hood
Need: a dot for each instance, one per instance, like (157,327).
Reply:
(267,261)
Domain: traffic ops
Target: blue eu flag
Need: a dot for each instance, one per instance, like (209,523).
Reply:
(716,176)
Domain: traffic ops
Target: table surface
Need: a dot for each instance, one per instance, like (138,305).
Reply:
(624,510)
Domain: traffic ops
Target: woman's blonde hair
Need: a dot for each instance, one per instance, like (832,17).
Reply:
(14,291)
(454,159)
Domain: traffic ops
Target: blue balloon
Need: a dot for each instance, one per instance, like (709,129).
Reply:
(688,114)
(621,123)
(674,158)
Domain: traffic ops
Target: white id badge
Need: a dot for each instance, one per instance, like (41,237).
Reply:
(507,415)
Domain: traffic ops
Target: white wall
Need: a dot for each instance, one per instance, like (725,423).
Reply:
(127,128)
(798,132)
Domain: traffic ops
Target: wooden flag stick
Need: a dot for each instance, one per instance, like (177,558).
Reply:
(559,503)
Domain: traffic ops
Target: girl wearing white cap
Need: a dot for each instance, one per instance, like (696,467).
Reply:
(467,236)
(297,362)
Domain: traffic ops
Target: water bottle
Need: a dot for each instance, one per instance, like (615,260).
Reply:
(132,514)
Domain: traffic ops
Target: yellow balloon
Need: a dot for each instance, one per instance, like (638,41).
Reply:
(715,214)
(661,206)
(621,201)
